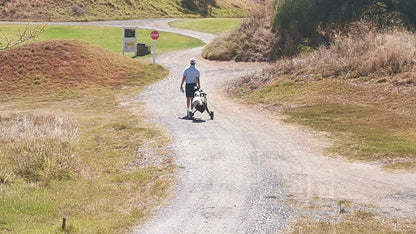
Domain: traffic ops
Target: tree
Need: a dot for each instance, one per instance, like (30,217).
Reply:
(297,21)
(304,16)
(31,31)
(407,9)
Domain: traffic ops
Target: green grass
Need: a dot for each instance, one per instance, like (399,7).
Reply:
(362,137)
(106,193)
(360,90)
(106,37)
(213,26)
(365,129)
(106,186)
(84,203)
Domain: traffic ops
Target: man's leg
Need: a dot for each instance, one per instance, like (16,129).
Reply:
(190,89)
(188,102)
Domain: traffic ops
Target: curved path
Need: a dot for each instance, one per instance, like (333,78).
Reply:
(238,172)
(226,184)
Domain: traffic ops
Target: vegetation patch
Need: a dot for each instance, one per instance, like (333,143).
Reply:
(106,37)
(212,25)
(321,215)
(351,91)
(86,10)
(69,149)
(368,134)
(45,67)
(302,23)
(251,42)
(38,148)
(357,222)
(286,28)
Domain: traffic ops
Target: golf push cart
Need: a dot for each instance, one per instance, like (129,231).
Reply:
(200,104)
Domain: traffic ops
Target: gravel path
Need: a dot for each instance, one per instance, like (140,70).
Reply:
(238,172)
(226,182)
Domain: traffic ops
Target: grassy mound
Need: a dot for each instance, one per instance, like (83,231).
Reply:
(361,89)
(74,142)
(66,10)
(50,66)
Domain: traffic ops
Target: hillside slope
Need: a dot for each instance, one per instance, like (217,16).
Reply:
(361,89)
(66,10)
(48,66)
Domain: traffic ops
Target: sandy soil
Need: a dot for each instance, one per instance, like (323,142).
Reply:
(239,171)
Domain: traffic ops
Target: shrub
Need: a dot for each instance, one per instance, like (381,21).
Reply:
(78,9)
(296,20)
(253,41)
(364,52)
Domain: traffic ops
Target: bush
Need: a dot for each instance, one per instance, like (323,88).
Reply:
(251,42)
(298,21)
(364,52)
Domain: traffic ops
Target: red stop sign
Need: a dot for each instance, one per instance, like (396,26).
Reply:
(154,35)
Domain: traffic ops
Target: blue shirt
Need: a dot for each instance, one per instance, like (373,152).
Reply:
(191,73)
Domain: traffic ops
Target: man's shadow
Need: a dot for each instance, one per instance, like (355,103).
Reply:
(194,120)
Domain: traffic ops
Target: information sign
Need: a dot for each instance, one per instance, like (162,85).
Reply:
(128,32)
(129,42)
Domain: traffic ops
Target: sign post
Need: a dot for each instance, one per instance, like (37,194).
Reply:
(129,42)
(154,35)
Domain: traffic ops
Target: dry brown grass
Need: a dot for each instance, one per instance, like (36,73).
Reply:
(251,42)
(38,148)
(42,67)
(378,67)
(324,216)
(67,10)
(361,89)
(349,218)
(364,53)
(68,148)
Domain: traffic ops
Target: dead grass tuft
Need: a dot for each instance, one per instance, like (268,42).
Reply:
(387,56)
(322,215)
(356,223)
(37,148)
(251,42)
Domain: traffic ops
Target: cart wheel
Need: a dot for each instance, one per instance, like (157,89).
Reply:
(212,115)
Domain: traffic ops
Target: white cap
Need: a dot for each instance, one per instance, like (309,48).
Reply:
(193,60)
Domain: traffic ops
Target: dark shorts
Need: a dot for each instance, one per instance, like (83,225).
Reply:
(190,90)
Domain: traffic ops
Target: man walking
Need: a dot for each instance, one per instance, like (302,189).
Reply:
(191,77)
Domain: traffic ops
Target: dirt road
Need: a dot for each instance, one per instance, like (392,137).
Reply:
(246,171)
(238,172)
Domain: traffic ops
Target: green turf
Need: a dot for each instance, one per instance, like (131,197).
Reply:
(213,26)
(107,37)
